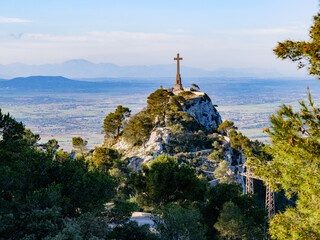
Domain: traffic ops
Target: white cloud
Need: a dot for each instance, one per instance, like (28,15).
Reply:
(13,20)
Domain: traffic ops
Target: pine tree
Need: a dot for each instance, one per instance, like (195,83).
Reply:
(295,149)
(306,53)
(114,122)
(295,167)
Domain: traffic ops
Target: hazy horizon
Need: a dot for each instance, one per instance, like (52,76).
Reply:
(82,69)
(209,35)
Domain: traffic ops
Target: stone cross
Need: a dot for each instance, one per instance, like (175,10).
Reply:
(178,58)
(178,84)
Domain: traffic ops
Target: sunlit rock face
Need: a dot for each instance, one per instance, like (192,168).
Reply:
(202,109)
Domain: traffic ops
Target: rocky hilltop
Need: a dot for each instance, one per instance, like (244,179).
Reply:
(179,123)
(185,126)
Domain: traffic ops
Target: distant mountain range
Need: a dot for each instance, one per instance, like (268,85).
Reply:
(85,69)
(61,84)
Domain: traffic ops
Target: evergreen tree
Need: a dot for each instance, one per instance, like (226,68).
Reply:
(165,181)
(226,126)
(80,146)
(114,122)
(39,192)
(233,224)
(177,222)
(295,138)
(103,158)
(244,209)
(295,168)
(138,129)
(51,146)
(224,173)
(306,53)
(158,102)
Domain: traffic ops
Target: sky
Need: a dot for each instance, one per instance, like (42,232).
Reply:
(209,34)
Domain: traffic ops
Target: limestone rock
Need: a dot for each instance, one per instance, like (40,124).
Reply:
(203,111)
(153,147)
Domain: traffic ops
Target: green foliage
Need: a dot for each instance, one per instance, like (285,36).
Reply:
(165,181)
(218,195)
(187,94)
(241,143)
(177,222)
(37,191)
(120,174)
(30,138)
(223,173)
(196,160)
(51,146)
(95,226)
(238,141)
(13,135)
(85,190)
(295,152)
(80,146)
(33,224)
(217,148)
(306,53)
(114,122)
(196,86)
(10,129)
(121,212)
(132,231)
(138,129)
(226,126)
(103,158)
(295,149)
(187,136)
(232,224)
(158,101)
(62,156)
(179,98)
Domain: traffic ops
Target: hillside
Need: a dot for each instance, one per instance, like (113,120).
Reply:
(184,126)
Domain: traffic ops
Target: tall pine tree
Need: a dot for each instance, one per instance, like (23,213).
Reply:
(295,149)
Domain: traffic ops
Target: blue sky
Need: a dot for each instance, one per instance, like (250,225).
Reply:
(209,34)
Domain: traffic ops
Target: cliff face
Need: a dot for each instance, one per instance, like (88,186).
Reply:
(202,109)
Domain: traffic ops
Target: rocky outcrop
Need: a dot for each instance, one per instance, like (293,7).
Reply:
(236,161)
(153,147)
(202,109)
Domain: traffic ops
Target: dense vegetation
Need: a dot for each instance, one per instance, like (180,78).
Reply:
(48,194)
(165,181)
(295,150)
(164,184)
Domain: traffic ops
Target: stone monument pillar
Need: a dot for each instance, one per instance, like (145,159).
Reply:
(178,84)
